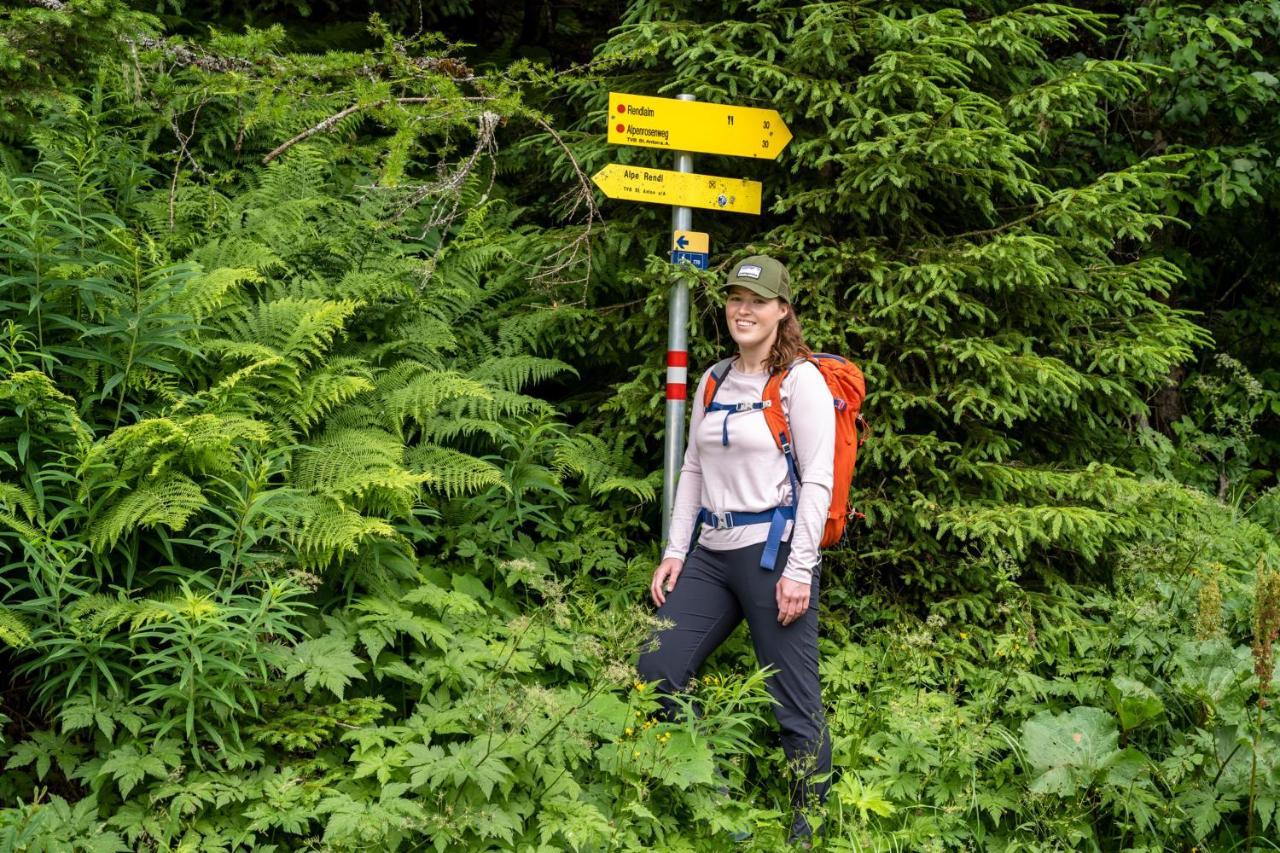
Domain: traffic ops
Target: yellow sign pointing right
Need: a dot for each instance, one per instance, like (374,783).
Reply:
(696,126)
(683,189)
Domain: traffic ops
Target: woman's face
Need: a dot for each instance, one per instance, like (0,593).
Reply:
(753,319)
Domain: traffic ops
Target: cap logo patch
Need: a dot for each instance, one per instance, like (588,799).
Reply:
(749,271)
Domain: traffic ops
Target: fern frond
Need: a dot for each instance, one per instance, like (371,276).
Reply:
(35,392)
(513,372)
(448,429)
(500,404)
(338,381)
(369,286)
(298,330)
(324,528)
(28,387)
(202,442)
(204,294)
(362,465)
(426,338)
(100,612)
(421,397)
(170,500)
(453,472)
(13,629)
(235,390)
(14,498)
(603,469)
(237,251)
(300,176)
(258,354)
(530,330)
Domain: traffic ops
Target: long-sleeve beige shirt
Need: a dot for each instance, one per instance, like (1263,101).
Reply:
(750,473)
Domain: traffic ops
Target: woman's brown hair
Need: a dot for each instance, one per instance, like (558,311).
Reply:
(789,345)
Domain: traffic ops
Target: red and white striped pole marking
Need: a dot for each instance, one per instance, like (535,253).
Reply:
(677,374)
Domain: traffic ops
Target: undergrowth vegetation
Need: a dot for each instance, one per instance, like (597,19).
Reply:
(329,418)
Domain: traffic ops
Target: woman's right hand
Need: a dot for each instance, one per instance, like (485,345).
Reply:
(664,579)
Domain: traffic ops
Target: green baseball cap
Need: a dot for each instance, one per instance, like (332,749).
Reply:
(763,275)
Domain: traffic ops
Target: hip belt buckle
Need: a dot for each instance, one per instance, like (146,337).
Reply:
(724,520)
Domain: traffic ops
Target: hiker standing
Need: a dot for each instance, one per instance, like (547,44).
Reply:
(759,515)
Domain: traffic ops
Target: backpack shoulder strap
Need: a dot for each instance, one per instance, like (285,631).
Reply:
(774,414)
(718,371)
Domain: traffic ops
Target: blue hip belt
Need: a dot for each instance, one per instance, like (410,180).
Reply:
(776,519)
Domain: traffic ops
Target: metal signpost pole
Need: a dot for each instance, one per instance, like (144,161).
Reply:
(677,360)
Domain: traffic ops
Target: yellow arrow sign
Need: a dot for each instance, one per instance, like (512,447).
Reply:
(685,189)
(690,241)
(696,126)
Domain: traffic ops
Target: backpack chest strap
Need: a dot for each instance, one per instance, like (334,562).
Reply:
(734,408)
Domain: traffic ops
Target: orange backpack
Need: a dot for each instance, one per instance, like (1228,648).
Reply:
(848,388)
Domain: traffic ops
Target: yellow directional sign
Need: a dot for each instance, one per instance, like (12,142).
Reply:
(696,126)
(684,189)
(690,241)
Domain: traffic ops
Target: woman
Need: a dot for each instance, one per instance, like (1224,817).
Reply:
(733,466)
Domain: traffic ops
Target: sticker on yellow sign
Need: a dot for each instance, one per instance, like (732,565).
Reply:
(690,241)
(696,126)
(683,189)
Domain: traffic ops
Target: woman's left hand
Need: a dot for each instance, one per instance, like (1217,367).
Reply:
(793,600)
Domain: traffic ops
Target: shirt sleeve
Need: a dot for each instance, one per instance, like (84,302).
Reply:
(684,509)
(811,413)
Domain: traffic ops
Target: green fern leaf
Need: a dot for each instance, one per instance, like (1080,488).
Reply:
(170,500)
(324,528)
(500,404)
(447,429)
(422,396)
(204,294)
(513,372)
(362,465)
(297,330)
(100,613)
(13,629)
(603,470)
(322,390)
(453,472)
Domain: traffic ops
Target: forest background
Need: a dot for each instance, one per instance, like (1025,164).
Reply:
(331,422)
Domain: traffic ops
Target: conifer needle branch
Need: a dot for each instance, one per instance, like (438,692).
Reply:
(322,127)
(178,53)
(332,120)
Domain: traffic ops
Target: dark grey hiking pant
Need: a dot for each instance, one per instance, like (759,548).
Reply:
(716,589)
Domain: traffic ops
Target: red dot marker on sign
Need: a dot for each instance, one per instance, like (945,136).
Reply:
(621,128)
(622,108)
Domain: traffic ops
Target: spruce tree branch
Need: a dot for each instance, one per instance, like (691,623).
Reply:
(176,52)
(332,120)
(322,127)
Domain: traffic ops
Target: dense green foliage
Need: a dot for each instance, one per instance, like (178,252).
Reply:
(329,408)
